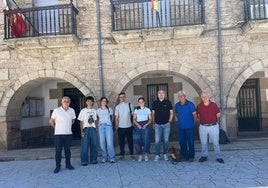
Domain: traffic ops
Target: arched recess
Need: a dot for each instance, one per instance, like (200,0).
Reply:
(252,68)
(193,76)
(231,98)
(15,94)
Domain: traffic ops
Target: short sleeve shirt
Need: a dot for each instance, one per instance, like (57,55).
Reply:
(63,120)
(185,114)
(207,114)
(142,114)
(162,111)
(88,116)
(123,112)
(105,116)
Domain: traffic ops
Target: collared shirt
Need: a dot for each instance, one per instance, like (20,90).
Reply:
(207,114)
(185,114)
(162,111)
(63,120)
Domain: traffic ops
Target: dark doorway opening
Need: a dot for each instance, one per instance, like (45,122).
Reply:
(248,108)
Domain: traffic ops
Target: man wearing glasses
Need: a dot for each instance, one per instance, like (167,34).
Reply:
(123,123)
(61,120)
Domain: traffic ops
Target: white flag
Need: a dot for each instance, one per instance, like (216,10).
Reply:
(3,5)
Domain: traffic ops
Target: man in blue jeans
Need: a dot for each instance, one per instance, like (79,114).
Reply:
(186,113)
(162,115)
(61,120)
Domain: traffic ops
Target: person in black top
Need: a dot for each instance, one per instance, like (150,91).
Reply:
(162,114)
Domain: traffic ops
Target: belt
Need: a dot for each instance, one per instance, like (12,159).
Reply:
(212,124)
(89,128)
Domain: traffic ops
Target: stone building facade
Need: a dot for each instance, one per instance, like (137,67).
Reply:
(35,72)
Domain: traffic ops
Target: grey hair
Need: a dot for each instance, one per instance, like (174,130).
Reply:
(65,97)
(181,92)
(205,93)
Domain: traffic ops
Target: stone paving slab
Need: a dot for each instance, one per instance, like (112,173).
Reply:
(242,168)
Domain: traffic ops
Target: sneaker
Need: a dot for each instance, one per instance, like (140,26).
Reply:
(140,158)
(220,160)
(132,157)
(165,157)
(203,159)
(121,157)
(157,157)
(146,158)
(103,160)
(112,161)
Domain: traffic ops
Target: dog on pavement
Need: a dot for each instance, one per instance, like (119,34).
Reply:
(175,155)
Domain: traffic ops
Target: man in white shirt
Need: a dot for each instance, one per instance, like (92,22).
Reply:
(61,120)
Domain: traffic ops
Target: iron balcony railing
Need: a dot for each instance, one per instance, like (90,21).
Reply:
(256,9)
(139,14)
(40,21)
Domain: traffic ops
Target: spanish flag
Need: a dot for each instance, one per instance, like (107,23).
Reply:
(155,5)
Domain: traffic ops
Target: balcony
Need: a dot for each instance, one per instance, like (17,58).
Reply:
(40,21)
(256,16)
(256,9)
(139,14)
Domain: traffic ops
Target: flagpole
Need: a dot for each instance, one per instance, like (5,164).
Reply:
(157,15)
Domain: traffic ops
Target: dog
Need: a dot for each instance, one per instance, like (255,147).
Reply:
(175,155)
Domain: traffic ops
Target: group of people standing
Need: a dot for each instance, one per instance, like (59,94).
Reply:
(134,124)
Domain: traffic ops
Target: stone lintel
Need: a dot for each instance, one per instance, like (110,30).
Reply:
(43,42)
(255,27)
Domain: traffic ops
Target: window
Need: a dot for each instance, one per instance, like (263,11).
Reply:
(47,19)
(152,90)
(32,107)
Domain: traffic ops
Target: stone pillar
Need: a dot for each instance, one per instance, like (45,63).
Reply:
(3,136)
(13,135)
(231,122)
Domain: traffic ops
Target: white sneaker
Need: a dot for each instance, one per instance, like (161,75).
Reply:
(140,158)
(146,158)
(165,157)
(157,157)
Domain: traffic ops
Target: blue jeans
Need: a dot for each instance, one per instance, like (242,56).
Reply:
(213,133)
(89,140)
(141,139)
(60,142)
(161,130)
(186,141)
(107,137)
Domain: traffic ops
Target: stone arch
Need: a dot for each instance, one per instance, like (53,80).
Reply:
(252,68)
(185,71)
(16,93)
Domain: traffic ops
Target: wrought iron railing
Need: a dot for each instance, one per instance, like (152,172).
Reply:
(40,21)
(139,14)
(256,9)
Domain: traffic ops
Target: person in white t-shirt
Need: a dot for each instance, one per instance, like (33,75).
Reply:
(61,120)
(89,136)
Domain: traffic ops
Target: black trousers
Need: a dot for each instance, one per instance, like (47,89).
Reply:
(60,142)
(122,134)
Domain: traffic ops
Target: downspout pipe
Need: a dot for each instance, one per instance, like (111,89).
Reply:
(221,94)
(99,49)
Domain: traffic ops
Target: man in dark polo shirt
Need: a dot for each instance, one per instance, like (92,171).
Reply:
(162,114)
(209,113)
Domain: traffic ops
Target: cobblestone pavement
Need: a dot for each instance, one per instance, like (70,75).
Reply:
(244,167)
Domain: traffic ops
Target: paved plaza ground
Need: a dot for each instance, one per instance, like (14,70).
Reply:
(246,166)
